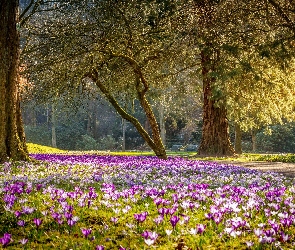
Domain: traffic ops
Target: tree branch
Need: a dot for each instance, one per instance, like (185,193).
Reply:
(93,75)
(136,68)
(289,24)
(23,18)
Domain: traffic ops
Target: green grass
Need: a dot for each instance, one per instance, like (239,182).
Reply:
(246,157)
(36,149)
(290,158)
(66,188)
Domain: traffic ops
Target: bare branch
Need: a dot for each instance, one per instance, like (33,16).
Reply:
(25,15)
(290,24)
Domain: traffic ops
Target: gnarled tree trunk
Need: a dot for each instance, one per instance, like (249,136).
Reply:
(12,138)
(215,136)
(155,143)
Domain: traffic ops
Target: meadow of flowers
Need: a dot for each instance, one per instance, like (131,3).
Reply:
(125,202)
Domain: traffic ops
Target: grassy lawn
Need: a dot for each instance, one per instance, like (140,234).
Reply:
(245,157)
(98,200)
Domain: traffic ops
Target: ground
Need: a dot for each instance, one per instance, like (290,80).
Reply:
(287,169)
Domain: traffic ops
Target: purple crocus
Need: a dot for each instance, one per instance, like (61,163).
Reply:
(68,215)
(21,223)
(37,221)
(141,217)
(159,219)
(28,210)
(114,220)
(249,243)
(86,231)
(9,199)
(200,228)
(17,214)
(173,220)
(99,247)
(149,234)
(6,239)
(72,221)
(145,234)
(284,237)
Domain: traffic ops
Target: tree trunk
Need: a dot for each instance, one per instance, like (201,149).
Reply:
(53,126)
(158,146)
(215,136)
(162,124)
(94,130)
(238,139)
(254,143)
(154,143)
(12,138)
(124,134)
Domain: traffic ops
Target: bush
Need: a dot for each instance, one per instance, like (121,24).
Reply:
(87,143)
(38,134)
(107,143)
(281,139)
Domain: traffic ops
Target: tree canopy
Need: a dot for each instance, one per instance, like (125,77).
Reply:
(240,51)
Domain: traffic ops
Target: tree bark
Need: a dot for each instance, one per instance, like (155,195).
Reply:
(53,126)
(162,123)
(254,142)
(238,139)
(215,136)
(124,134)
(154,143)
(12,138)
(159,148)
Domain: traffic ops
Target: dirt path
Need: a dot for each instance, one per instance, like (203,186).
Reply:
(287,169)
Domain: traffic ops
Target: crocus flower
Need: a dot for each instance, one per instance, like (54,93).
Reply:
(149,242)
(99,247)
(86,231)
(141,217)
(200,228)
(266,239)
(114,220)
(28,210)
(17,214)
(145,234)
(23,241)
(249,243)
(258,232)
(73,221)
(149,235)
(159,219)
(6,239)
(168,231)
(68,215)
(37,221)
(153,235)
(21,223)
(173,220)
(284,237)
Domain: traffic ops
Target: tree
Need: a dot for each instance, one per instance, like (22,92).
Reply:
(243,42)
(260,87)
(12,138)
(117,46)
(215,136)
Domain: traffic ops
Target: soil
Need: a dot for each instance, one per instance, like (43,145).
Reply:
(287,169)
